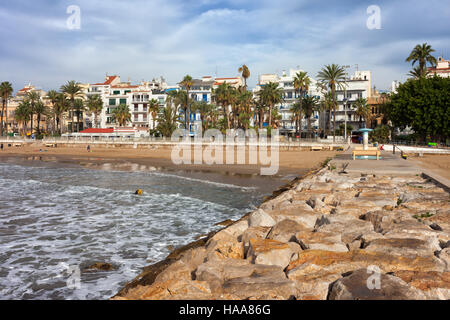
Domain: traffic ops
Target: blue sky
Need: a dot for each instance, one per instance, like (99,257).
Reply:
(139,39)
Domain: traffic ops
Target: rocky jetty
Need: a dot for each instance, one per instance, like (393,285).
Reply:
(330,236)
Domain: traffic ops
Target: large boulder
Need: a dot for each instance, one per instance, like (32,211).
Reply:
(359,286)
(260,218)
(435,285)
(271,252)
(285,230)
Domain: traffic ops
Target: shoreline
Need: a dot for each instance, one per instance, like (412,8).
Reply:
(315,239)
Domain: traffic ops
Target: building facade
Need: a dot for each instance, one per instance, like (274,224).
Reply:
(442,68)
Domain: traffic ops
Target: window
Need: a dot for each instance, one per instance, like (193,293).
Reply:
(205,97)
(112,102)
(123,101)
(116,92)
(127,91)
(289,95)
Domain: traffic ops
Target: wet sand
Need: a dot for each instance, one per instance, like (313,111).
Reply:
(291,163)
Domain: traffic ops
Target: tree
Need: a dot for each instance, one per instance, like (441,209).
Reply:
(94,104)
(52,95)
(204,109)
(309,105)
(422,54)
(245,102)
(61,106)
(167,121)
(362,110)
(39,110)
(224,95)
(297,114)
(78,108)
(423,105)
(271,95)
(153,109)
(72,90)
(416,73)
(121,115)
(22,115)
(6,91)
(245,73)
(334,77)
(187,83)
(33,97)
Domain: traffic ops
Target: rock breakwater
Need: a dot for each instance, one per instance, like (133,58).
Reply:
(329,236)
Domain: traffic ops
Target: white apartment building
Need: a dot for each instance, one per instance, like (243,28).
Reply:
(357,86)
(286,82)
(442,68)
(114,93)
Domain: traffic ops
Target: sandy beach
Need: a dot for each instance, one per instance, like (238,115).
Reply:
(292,162)
(439,163)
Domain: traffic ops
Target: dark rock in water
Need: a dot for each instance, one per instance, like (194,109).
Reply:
(225,223)
(101,266)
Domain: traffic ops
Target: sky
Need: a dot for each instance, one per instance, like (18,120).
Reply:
(141,40)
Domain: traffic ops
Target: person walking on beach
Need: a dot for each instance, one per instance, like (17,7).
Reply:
(88,148)
(1,146)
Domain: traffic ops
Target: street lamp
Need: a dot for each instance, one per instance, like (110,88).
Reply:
(345,118)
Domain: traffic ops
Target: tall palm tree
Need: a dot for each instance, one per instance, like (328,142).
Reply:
(94,104)
(245,102)
(179,100)
(22,115)
(204,109)
(153,109)
(121,115)
(245,73)
(422,54)
(271,95)
(40,110)
(297,114)
(309,106)
(187,83)
(52,95)
(167,121)
(6,91)
(334,77)
(33,97)
(362,110)
(224,96)
(260,110)
(78,108)
(73,90)
(61,106)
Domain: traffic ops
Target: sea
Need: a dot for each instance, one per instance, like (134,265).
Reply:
(57,219)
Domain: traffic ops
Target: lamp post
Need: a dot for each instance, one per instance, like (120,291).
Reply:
(345,117)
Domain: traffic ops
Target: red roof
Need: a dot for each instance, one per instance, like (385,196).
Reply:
(108,81)
(25,89)
(96,130)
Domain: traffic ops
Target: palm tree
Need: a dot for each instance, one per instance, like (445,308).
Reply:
(422,54)
(52,95)
(245,102)
(94,104)
(204,109)
(153,109)
(223,95)
(179,100)
(22,115)
(245,72)
(78,108)
(72,90)
(309,106)
(271,95)
(121,115)
(61,106)
(33,97)
(6,91)
(362,110)
(187,83)
(334,77)
(260,110)
(40,110)
(167,121)
(297,114)
(416,73)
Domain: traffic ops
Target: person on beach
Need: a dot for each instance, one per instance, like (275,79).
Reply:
(88,148)
(1,146)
